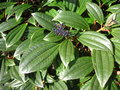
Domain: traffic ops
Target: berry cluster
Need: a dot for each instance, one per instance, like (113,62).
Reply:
(59,30)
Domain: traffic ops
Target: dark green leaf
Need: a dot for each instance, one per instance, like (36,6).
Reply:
(95,11)
(72,19)
(9,24)
(52,37)
(6,4)
(81,68)
(103,63)
(44,20)
(15,35)
(96,41)
(66,51)
(38,57)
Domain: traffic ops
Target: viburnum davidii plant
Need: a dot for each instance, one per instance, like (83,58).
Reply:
(60,45)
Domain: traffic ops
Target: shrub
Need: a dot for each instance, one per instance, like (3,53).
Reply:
(59,45)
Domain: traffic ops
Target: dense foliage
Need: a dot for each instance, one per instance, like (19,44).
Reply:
(60,45)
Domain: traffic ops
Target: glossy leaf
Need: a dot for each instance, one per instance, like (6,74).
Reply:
(114,8)
(96,41)
(44,20)
(81,8)
(103,63)
(116,32)
(14,71)
(95,11)
(81,68)
(38,57)
(72,19)
(6,4)
(21,48)
(59,86)
(15,35)
(66,51)
(18,8)
(70,4)
(52,37)
(9,24)
(116,43)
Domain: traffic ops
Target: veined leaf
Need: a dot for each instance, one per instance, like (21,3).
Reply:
(116,32)
(15,35)
(9,24)
(72,19)
(52,37)
(2,45)
(66,51)
(96,41)
(116,43)
(44,20)
(18,8)
(14,72)
(81,68)
(114,8)
(38,57)
(60,85)
(95,11)
(103,63)
(81,8)
(52,12)
(70,4)
(6,4)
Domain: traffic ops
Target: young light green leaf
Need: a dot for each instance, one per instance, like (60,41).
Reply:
(96,41)
(95,11)
(66,51)
(15,35)
(39,57)
(9,24)
(44,20)
(82,67)
(103,63)
(52,37)
(72,19)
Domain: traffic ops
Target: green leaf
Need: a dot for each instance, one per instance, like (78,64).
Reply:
(81,68)
(9,62)
(103,63)
(72,19)
(2,45)
(39,80)
(114,8)
(52,37)
(81,8)
(70,4)
(92,84)
(15,83)
(15,35)
(18,9)
(116,32)
(9,24)
(52,12)
(116,43)
(60,85)
(66,51)
(96,41)
(38,57)
(31,20)
(95,11)
(21,48)
(14,72)
(6,4)
(44,20)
